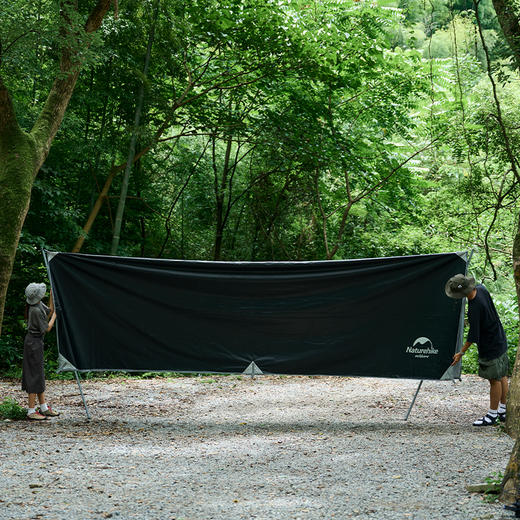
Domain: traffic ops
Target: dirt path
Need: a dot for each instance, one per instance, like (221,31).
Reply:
(227,447)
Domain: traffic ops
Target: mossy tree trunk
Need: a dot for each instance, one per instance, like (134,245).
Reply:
(23,153)
(511,481)
(509,493)
(509,21)
(18,160)
(513,401)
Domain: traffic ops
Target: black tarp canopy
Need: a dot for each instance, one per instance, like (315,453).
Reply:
(381,317)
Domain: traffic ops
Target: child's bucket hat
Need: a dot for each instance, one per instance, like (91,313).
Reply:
(34,292)
(459,286)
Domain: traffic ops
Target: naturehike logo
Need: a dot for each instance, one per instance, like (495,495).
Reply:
(422,348)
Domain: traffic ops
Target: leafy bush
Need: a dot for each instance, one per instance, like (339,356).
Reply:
(508,312)
(10,352)
(10,409)
(470,361)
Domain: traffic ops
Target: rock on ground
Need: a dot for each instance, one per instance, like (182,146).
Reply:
(230,447)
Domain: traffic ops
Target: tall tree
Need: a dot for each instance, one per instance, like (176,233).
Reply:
(22,152)
(135,132)
(510,22)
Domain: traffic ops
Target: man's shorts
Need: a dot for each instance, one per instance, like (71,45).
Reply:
(494,368)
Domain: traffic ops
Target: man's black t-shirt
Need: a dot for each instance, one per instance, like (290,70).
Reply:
(485,328)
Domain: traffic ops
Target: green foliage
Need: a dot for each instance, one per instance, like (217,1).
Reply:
(494,482)
(508,312)
(470,362)
(10,354)
(10,409)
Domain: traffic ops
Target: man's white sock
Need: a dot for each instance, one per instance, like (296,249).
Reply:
(31,410)
(493,413)
(44,407)
(501,408)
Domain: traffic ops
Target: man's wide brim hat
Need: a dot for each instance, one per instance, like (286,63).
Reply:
(459,286)
(34,292)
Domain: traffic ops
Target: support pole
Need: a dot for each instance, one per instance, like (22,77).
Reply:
(413,401)
(460,334)
(81,393)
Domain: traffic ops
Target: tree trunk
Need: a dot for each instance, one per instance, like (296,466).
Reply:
(513,399)
(103,195)
(510,483)
(133,140)
(510,24)
(511,480)
(220,196)
(17,172)
(22,154)
(95,210)
(218,243)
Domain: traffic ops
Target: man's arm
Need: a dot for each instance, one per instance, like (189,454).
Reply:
(458,356)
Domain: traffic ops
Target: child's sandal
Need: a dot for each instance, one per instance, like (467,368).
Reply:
(487,420)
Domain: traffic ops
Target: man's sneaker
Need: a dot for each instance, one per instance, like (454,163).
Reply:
(502,417)
(49,412)
(36,416)
(487,420)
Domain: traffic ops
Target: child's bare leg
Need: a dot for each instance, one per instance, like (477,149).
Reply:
(505,387)
(495,392)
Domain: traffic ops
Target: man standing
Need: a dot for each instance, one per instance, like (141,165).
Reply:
(485,329)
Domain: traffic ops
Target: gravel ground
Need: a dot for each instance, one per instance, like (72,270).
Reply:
(228,447)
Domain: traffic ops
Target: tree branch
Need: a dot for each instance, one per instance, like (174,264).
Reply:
(387,177)
(4,51)
(52,114)
(98,13)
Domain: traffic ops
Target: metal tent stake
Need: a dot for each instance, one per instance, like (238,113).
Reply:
(81,392)
(413,401)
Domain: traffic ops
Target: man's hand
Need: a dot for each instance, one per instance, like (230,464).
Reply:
(456,358)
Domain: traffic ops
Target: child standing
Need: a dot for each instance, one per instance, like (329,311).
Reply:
(486,330)
(40,319)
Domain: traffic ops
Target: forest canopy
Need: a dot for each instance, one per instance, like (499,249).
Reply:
(266,130)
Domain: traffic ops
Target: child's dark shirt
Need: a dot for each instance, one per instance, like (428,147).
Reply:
(485,328)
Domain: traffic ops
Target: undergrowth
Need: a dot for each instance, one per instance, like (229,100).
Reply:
(493,481)
(10,409)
